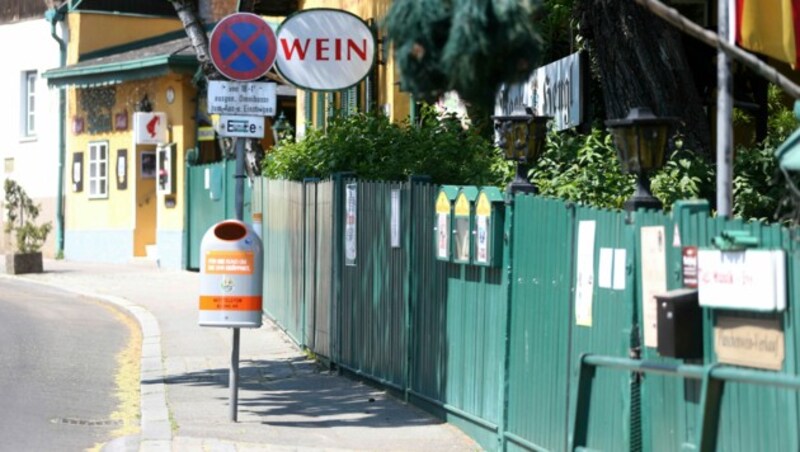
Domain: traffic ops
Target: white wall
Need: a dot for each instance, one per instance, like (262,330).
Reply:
(28,46)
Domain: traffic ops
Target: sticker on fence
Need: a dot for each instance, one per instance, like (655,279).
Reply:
(585,269)
(654,279)
(350,225)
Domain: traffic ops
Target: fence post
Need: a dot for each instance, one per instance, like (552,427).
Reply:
(508,232)
(337,247)
(410,247)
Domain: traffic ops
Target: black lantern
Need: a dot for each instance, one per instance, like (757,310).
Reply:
(282,128)
(641,141)
(521,135)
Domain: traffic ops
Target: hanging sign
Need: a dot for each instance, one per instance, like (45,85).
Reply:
(325,49)
(150,127)
(242,47)
(553,90)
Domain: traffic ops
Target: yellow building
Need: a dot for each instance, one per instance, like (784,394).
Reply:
(113,206)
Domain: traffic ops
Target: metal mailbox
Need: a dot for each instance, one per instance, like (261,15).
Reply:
(230,276)
(443,222)
(463,224)
(680,324)
(488,232)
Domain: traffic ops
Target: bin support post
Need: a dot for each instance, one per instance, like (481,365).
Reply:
(233,377)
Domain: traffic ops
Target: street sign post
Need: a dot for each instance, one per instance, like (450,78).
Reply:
(243,47)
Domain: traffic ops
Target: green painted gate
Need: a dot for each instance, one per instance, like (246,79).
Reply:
(210,199)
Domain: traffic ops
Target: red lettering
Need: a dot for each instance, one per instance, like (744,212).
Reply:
(301,51)
(321,48)
(338,49)
(353,46)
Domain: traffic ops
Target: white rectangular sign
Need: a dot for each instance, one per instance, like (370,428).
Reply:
(241,98)
(553,90)
(654,279)
(241,126)
(351,207)
(150,127)
(753,279)
(395,221)
(584,290)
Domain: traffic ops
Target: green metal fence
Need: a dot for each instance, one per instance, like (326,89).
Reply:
(546,351)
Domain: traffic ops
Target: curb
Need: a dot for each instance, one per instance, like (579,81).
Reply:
(156,430)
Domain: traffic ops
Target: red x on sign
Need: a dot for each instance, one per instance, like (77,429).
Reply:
(243,47)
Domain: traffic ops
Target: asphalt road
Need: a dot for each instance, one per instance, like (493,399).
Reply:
(57,369)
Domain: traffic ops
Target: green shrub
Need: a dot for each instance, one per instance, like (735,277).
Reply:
(582,168)
(21,214)
(376,149)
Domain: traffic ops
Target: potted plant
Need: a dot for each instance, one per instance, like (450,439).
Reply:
(21,214)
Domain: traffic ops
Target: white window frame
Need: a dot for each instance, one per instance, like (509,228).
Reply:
(28,117)
(98,170)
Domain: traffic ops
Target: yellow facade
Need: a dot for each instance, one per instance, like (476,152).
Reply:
(132,218)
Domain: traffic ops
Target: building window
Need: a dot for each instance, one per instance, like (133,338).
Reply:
(29,104)
(98,169)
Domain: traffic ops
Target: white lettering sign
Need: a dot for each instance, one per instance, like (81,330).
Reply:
(241,126)
(241,98)
(553,90)
(325,49)
(753,279)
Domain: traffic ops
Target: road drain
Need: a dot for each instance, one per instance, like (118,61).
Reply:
(86,422)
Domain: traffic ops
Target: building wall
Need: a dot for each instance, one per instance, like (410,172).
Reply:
(90,31)
(138,215)
(30,161)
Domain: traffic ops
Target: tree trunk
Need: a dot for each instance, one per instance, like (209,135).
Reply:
(639,60)
(196,32)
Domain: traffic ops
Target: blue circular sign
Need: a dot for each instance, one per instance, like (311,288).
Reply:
(243,47)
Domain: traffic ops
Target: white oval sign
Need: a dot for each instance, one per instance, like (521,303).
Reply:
(325,49)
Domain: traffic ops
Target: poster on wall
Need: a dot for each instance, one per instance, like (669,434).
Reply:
(654,279)
(395,221)
(350,225)
(584,291)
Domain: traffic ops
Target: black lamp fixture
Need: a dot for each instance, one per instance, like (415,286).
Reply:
(521,135)
(282,127)
(641,142)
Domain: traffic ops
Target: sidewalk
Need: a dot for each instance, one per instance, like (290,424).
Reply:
(286,402)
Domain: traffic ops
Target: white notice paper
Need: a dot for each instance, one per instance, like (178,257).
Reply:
(395,223)
(605,268)
(654,279)
(620,269)
(584,290)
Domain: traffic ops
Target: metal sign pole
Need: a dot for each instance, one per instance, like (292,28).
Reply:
(724,117)
(233,378)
